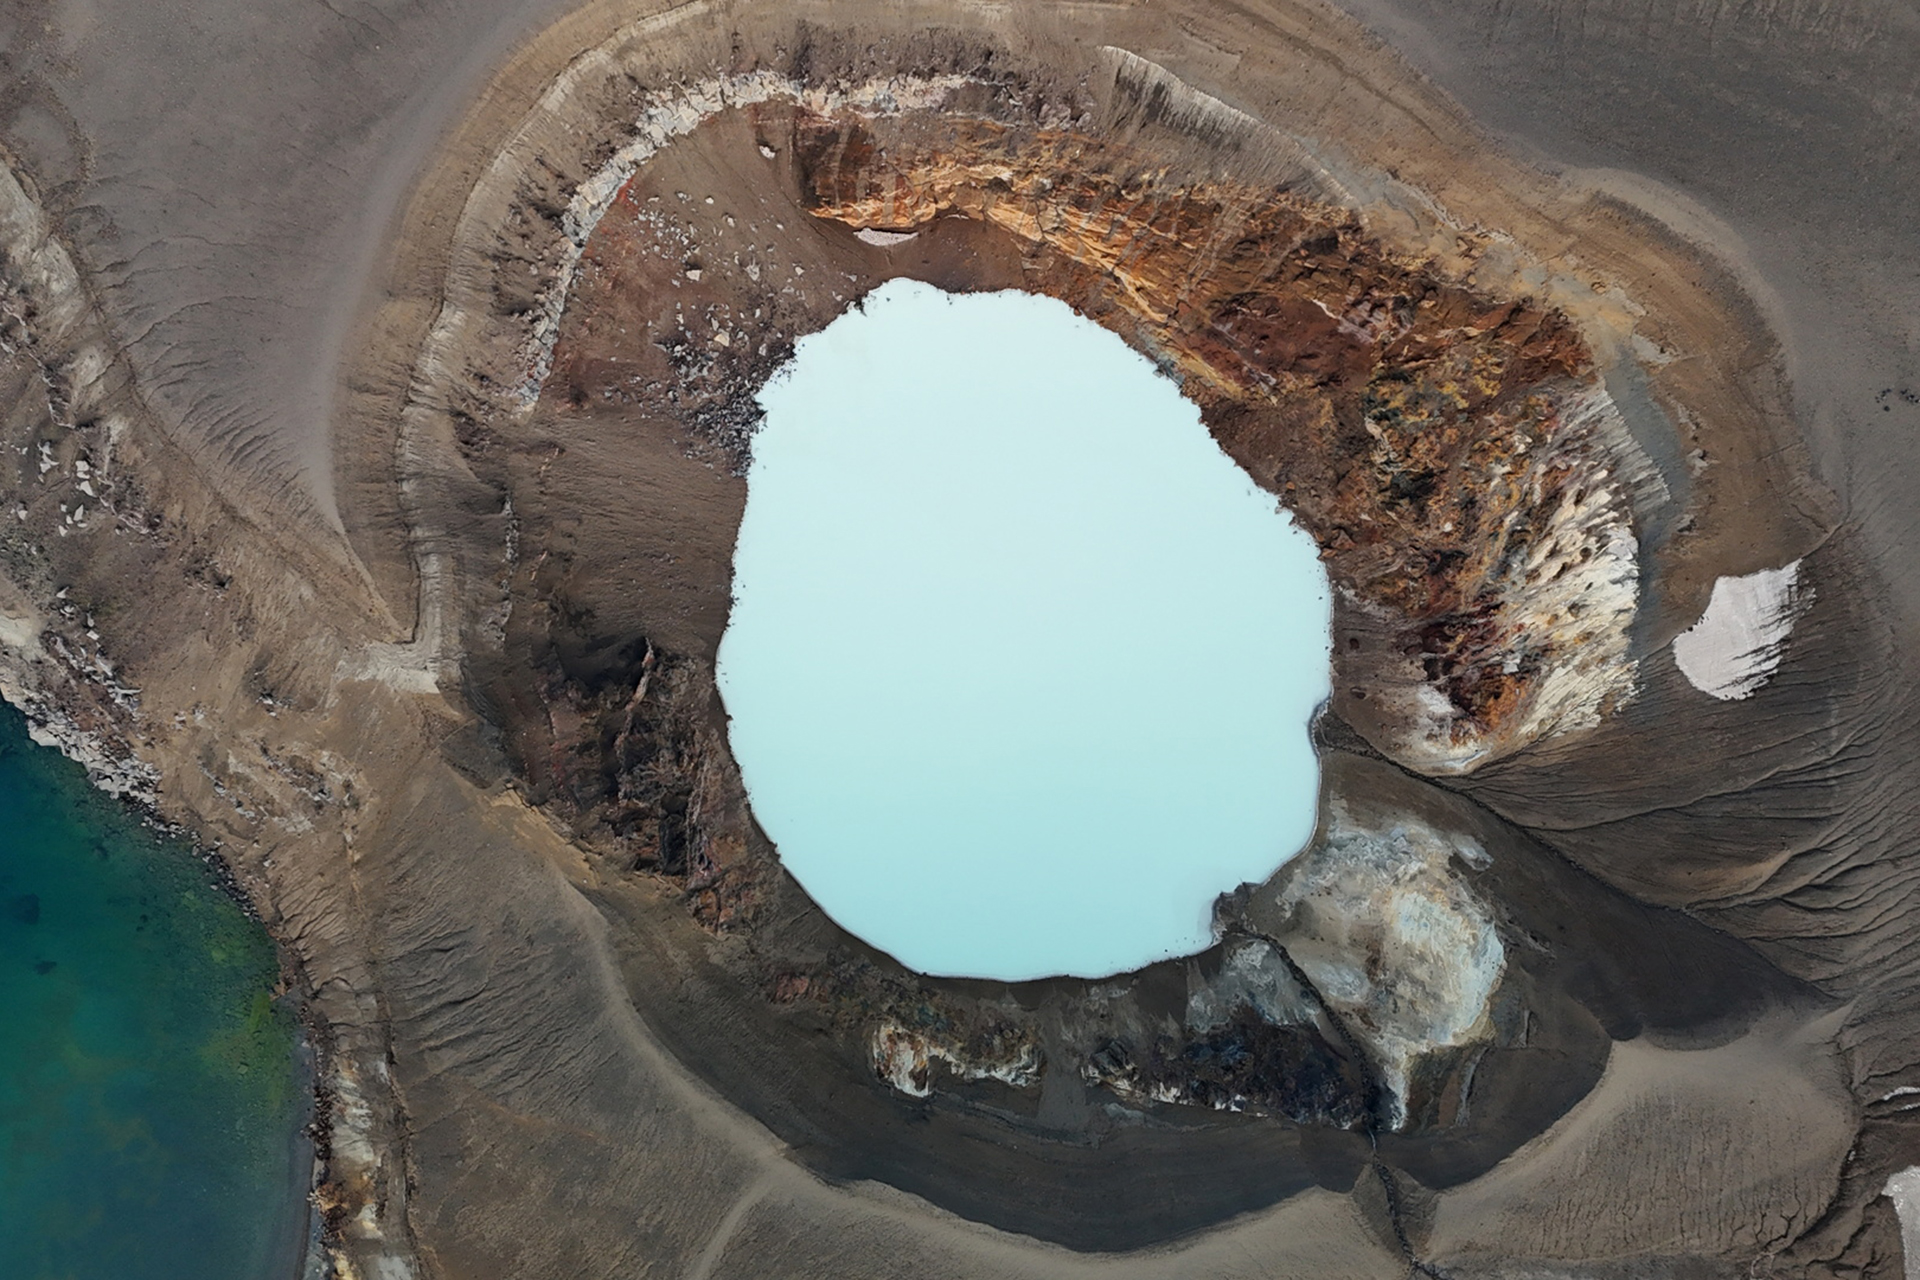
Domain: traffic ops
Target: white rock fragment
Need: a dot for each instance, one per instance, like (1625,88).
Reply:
(1394,939)
(1739,641)
(768,151)
(904,1059)
(20,631)
(883,239)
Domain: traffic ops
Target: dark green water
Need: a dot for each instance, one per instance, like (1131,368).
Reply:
(150,1095)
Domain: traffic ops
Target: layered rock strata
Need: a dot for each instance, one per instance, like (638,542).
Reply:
(1455,453)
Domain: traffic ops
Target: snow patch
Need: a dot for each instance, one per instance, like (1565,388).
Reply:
(1739,641)
(1903,1188)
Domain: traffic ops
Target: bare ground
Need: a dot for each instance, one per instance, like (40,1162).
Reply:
(562,1072)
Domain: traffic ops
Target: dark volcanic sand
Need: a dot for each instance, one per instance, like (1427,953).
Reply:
(557,1046)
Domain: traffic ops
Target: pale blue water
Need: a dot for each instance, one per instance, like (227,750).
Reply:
(1020,665)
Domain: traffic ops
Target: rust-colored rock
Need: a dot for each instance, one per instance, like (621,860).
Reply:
(1438,443)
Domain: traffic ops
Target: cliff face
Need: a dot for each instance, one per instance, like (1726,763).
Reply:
(1450,450)
(1454,451)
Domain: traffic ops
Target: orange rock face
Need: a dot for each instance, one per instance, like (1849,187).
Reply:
(1440,444)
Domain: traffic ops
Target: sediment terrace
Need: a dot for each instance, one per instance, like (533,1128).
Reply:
(468,756)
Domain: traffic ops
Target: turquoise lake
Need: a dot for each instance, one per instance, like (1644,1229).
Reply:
(150,1096)
(1020,666)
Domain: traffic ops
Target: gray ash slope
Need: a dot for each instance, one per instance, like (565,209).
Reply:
(546,1061)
